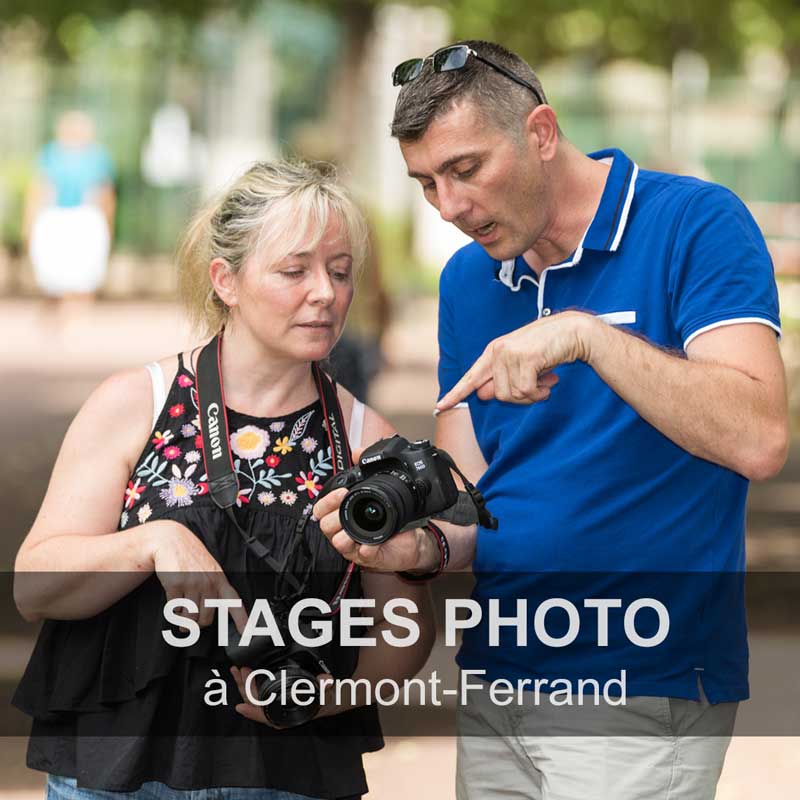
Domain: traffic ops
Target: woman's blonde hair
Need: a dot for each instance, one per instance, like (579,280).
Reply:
(272,208)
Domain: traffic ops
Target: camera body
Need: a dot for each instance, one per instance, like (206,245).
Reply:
(288,664)
(396,485)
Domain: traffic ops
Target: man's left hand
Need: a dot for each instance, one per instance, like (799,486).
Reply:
(515,368)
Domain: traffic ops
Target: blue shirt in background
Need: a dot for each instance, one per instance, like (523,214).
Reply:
(75,172)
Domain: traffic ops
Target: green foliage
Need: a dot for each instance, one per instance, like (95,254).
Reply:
(69,26)
(650,30)
(540,30)
(15,177)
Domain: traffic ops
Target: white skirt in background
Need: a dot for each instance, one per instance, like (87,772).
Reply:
(69,249)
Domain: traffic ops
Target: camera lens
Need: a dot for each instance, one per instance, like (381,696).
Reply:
(369,514)
(291,714)
(379,507)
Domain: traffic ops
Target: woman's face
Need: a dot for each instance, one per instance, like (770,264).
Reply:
(297,307)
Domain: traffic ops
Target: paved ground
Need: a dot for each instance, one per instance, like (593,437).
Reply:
(48,369)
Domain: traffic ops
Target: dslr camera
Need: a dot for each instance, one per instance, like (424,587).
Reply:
(287,665)
(398,485)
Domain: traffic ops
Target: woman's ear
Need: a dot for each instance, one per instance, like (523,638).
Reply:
(223,279)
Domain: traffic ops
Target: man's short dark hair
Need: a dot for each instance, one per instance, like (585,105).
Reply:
(504,103)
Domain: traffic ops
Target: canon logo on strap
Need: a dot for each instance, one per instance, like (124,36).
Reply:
(212,415)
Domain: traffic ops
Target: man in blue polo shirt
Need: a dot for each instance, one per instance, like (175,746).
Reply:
(609,373)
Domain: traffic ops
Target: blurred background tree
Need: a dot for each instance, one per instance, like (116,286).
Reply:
(311,77)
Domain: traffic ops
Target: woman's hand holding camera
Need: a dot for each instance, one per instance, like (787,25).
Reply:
(408,551)
(186,569)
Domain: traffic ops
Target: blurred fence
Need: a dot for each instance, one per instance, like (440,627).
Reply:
(257,88)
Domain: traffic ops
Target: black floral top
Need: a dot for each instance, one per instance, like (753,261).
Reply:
(280,462)
(114,679)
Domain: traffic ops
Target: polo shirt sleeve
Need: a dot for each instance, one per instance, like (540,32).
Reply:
(450,369)
(720,272)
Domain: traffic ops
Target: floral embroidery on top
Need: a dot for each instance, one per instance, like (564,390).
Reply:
(309,483)
(179,492)
(282,446)
(133,493)
(271,468)
(288,497)
(160,439)
(250,442)
(172,452)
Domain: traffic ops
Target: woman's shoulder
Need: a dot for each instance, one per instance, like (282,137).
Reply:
(128,395)
(170,364)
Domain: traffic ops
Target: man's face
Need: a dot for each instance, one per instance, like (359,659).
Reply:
(480,178)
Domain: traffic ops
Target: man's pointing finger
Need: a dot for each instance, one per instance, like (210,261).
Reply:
(478,374)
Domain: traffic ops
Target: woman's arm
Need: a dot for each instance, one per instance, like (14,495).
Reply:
(74,539)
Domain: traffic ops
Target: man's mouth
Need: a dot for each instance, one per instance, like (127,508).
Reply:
(484,230)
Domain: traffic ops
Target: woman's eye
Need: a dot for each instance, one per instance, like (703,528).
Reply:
(341,276)
(292,273)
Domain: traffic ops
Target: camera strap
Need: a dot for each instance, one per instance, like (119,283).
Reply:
(342,459)
(223,485)
(470,507)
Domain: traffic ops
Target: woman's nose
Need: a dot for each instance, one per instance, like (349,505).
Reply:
(322,291)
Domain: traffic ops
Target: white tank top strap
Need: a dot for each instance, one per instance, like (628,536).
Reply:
(159,390)
(356,424)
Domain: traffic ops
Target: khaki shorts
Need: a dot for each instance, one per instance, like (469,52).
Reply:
(652,748)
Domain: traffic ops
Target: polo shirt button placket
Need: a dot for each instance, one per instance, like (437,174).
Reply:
(546,312)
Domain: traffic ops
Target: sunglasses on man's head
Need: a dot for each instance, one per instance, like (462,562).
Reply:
(452,58)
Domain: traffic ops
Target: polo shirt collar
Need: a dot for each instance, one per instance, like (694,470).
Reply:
(607,227)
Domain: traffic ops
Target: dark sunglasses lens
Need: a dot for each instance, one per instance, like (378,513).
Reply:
(449,59)
(407,71)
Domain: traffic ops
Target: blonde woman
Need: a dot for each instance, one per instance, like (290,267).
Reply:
(273,263)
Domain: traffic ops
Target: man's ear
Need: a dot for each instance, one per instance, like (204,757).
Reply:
(542,128)
(223,279)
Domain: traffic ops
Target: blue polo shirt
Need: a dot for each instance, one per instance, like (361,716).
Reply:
(584,488)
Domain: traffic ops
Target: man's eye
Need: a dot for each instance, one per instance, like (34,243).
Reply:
(466,173)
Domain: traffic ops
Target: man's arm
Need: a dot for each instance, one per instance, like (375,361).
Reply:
(725,402)
(455,434)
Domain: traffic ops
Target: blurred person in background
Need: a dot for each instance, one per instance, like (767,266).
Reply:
(272,264)
(609,372)
(69,211)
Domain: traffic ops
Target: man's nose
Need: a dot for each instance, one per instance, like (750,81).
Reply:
(452,203)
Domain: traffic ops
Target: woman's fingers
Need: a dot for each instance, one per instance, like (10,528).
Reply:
(328,506)
(247,709)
